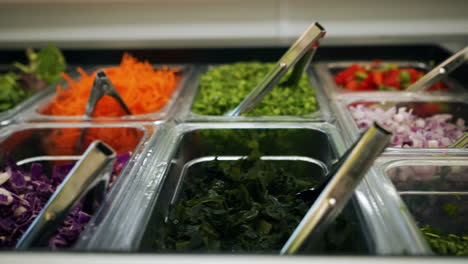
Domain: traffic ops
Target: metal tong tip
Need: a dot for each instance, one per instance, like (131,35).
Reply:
(103,86)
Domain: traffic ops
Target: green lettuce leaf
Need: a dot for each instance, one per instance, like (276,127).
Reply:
(47,64)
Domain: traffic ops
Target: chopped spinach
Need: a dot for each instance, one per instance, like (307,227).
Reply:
(223,87)
(247,205)
(244,205)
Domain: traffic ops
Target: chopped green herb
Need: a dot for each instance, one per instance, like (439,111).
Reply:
(445,244)
(223,87)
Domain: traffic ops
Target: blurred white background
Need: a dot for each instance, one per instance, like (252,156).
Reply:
(221,23)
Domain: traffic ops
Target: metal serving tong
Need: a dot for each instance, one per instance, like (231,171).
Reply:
(299,54)
(334,194)
(441,71)
(103,86)
(88,179)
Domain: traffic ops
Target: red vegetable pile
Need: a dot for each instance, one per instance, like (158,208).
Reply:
(382,77)
(23,194)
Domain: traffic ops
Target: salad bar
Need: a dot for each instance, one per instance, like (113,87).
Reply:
(190,178)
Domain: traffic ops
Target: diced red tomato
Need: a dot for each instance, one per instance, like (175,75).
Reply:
(353,85)
(391,79)
(368,84)
(379,76)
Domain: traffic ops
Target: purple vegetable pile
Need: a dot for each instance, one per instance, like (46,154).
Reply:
(23,194)
(411,131)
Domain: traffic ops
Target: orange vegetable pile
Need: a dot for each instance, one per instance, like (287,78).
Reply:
(143,88)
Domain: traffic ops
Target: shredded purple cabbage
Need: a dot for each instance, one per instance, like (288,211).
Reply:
(23,195)
(411,131)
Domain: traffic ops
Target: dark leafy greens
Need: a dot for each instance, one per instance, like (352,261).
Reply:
(246,205)
(222,88)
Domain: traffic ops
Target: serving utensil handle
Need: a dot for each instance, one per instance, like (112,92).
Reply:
(441,71)
(339,189)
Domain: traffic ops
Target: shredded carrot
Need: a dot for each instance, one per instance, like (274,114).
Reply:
(142,88)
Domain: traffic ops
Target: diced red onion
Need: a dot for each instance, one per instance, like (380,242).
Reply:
(411,131)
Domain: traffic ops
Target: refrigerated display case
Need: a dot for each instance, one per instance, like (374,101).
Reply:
(411,205)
